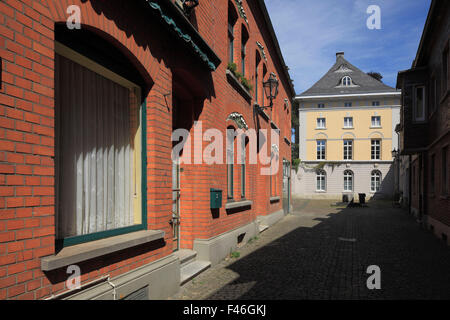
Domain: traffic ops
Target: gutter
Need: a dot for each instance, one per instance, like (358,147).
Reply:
(425,33)
(266,16)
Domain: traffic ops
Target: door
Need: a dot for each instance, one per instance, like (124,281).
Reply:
(175,222)
(286,185)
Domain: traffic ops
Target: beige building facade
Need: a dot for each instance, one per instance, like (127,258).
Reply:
(346,135)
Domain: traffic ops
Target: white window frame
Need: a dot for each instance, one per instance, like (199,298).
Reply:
(375,181)
(346,81)
(321,155)
(321,181)
(422,118)
(348,177)
(348,149)
(375,103)
(321,105)
(347,104)
(321,123)
(348,124)
(373,149)
(374,123)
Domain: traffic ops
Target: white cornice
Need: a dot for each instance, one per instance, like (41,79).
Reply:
(349,109)
(327,96)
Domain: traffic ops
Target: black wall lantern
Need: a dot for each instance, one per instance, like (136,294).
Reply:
(271,89)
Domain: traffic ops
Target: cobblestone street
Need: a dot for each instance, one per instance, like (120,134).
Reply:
(321,251)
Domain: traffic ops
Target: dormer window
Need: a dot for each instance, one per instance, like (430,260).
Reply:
(346,81)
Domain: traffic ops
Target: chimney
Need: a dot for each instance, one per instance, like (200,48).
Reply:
(339,54)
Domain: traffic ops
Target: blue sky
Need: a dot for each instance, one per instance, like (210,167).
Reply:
(310,32)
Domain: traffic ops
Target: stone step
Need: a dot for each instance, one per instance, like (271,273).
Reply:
(263,227)
(192,269)
(186,256)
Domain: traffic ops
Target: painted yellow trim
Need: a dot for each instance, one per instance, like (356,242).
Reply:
(135,94)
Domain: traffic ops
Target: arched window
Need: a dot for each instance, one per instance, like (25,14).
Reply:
(244,39)
(375,181)
(346,81)
(348,180)
(321,179)
(232,18)
(257,62)
(230,161)
(99,138)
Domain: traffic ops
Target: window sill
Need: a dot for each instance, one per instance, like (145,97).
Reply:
(89,250)
(238,85)
(321,191)
(348,127)
(238,204)
(274,199)
(321,128)
(375,127)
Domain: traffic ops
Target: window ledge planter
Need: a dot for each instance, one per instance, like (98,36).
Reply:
(89,250)
(238,204)
(238,85)
(274,199)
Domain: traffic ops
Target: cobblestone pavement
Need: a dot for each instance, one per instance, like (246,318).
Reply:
(321,251)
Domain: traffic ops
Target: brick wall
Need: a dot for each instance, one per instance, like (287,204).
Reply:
(27,135)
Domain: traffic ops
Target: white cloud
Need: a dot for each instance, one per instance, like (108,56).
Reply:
(311,32)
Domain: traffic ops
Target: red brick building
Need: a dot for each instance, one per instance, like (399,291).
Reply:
(87,180)
(425,123)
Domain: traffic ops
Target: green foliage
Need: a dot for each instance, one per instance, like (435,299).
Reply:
(246,84)
(235,254)
(375,75)
(295,164)
(232,67)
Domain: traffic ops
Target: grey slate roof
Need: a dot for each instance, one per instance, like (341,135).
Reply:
(330,83)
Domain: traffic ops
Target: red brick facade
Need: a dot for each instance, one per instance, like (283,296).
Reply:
(27,134)
(427,140)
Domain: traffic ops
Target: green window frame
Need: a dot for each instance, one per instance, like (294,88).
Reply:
(70,241)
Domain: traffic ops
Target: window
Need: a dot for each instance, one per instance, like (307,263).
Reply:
(320,149)
(244,39)
(375,181)
(348,149)
(321,180)
(346,81)
(257,61)
(347,104)
(376,121)
(432,173)
(321,123)
(375,103)
(348,122)
(375,149)
(243,169)
(348,180)
(419,103)
(232,17)
(445,71)
(320,105)
(230,163)
(98,150)
(444,173)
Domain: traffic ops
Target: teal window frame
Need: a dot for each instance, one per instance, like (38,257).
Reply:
(70,241)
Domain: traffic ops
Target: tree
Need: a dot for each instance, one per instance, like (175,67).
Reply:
(375,75)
